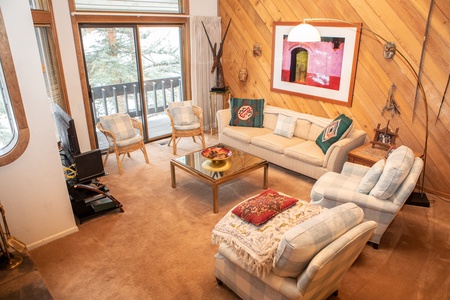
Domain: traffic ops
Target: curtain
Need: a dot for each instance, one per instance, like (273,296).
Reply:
(202,59)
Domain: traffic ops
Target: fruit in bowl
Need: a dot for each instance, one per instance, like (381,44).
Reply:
(216,153)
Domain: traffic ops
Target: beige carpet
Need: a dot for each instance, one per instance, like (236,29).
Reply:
(160,247)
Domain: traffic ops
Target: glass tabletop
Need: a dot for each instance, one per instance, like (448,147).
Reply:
(238,162)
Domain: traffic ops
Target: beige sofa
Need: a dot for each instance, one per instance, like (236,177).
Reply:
(299,153)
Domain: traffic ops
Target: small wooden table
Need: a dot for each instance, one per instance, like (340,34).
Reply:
(240,163)
(367,155)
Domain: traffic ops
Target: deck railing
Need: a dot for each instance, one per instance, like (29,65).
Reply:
(125,97)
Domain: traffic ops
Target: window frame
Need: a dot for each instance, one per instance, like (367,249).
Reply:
(23,132)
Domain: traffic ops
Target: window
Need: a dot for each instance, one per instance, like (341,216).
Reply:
(50,69)
(14,132)
(8,124)
(47,41)
(39,4)
(147,6)
(119,44)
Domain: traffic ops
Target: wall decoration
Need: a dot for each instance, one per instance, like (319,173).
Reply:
(217,63)
(323,70)
(243,72)
(257,51)
(384,137)
(391,105)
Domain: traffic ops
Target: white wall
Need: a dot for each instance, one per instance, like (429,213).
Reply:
(71,74)
(203,7)
(33,189)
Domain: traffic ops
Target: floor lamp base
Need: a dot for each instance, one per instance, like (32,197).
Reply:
(418,199)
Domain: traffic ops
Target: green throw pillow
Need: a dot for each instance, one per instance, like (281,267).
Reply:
(247,112)
(335,131)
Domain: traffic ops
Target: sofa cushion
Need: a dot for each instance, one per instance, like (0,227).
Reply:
(274,142)
(244,134)
(270,121)
(335,131)
(247,112)
(396,169)
(302,129)
(307,151)
(314,132)
(301,243)
(119,124)
(371,178)
(260,209)
(285,126)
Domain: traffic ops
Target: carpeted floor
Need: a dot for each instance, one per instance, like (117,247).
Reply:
(160,247)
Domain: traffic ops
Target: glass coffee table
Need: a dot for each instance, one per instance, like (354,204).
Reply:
(238,164)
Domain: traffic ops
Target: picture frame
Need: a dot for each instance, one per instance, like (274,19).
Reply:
(323,71)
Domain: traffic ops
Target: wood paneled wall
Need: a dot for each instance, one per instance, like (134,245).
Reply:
(401,21)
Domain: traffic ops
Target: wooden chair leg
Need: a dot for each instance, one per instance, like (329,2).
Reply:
(174,145)
(106,157)
(202,137)
(119,163)
(144,150)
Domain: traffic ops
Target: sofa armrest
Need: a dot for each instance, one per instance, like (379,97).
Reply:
(337,154)
(223,119)
(341,196)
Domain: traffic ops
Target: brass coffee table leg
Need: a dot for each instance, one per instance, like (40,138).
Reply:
(215,198)
(172,175)
(266,176)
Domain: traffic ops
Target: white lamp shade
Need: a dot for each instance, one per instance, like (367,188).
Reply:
(304,33)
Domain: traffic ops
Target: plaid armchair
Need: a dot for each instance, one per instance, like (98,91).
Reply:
(380,190)
(310,261)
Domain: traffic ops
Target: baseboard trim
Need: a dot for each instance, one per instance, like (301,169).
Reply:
(52,238)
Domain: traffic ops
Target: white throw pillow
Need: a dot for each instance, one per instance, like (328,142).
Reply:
(285,126)
(371,178)
(396,169)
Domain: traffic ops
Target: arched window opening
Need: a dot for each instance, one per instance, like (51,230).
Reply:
(14,132)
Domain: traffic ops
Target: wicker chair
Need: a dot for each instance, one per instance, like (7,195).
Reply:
(187,126)
(119,130)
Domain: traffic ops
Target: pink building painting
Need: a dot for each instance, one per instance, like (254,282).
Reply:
(315,64)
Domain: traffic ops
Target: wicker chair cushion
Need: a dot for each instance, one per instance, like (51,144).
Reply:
(182,115)
(120,125)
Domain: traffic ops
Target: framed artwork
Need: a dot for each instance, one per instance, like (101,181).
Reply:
(322,70)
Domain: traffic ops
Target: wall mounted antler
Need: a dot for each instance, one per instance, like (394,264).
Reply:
(217,64)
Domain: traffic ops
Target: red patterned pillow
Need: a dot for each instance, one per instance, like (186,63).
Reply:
(260,209)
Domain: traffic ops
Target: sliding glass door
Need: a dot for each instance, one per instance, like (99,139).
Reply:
(133,69)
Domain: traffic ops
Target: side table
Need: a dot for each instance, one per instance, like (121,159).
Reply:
(367,155)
